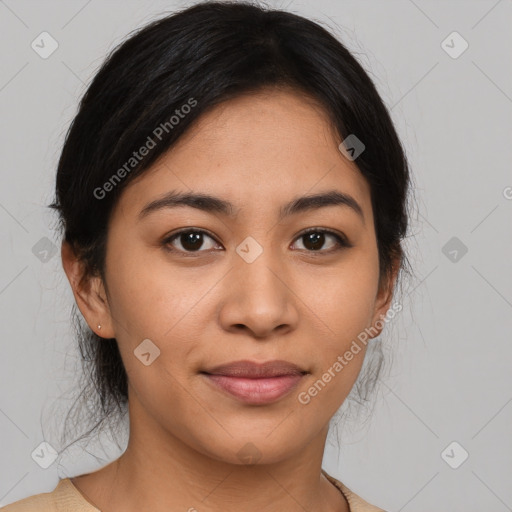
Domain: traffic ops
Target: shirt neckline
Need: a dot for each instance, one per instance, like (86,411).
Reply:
(345,491)
(66,483)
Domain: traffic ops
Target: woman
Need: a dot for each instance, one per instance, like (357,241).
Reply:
(233,197)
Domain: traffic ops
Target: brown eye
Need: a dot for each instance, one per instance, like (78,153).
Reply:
(315,240)
(190,241)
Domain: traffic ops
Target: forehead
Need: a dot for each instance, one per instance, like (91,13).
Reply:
(263,148)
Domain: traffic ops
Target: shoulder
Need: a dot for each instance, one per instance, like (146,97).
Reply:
(356,503)
(63,498)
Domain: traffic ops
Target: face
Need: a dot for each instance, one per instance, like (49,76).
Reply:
(237,278)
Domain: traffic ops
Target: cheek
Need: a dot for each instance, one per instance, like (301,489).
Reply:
(151,298)
(152,301)
(344,302)
(349,302)
(344,298)
(167,305)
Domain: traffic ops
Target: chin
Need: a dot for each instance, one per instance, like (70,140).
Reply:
(258,449)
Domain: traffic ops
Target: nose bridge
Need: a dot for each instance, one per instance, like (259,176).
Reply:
(257,268)
(261,280)
(258,297)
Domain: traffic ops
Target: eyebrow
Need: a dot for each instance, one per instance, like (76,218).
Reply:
(212,204)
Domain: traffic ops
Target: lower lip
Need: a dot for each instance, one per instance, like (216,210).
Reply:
(256,391)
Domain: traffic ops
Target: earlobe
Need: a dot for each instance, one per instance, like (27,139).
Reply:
(89,293)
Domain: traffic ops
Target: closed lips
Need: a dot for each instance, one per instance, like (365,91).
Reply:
(255,383)
(254,370)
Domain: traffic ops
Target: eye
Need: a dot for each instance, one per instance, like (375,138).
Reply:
(315,238)
(189,241)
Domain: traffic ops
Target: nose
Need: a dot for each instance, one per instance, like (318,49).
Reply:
(258,299)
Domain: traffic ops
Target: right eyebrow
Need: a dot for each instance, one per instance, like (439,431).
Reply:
(205,202)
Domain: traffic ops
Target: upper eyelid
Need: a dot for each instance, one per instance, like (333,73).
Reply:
(341,238)
(188,230)
(170,238)
(327,231)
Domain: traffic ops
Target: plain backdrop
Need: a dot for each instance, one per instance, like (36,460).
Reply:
(440,435)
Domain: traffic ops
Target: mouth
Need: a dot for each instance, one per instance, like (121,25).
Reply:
(255,383)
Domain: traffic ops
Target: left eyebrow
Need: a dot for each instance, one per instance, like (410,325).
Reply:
(212,204)
(315,201)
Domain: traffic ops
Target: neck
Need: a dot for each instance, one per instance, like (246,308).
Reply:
(160,471)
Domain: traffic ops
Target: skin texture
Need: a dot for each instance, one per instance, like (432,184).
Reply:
(259,152)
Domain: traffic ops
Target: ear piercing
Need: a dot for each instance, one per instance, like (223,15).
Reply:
(99,326)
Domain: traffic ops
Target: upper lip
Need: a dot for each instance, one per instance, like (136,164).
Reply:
(254,370)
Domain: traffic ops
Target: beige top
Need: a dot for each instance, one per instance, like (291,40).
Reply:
(67,498)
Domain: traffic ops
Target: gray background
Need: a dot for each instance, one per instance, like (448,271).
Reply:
(450,349)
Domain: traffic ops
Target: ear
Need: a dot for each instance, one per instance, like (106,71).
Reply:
(384,297)
(89,293)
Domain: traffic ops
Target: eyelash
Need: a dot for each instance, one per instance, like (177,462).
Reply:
(342,241)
